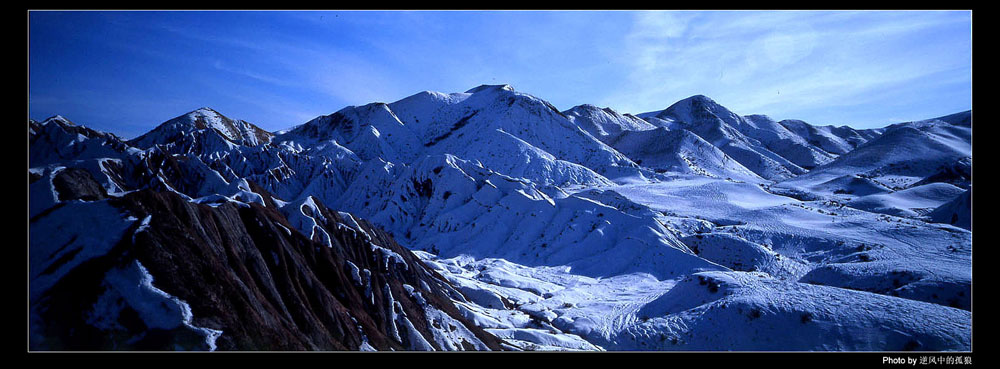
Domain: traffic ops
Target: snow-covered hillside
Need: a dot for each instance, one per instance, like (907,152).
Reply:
(605,122)
(957,212)
(679,151)
(489,219)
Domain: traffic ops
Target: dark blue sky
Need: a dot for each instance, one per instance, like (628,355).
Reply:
(126,72)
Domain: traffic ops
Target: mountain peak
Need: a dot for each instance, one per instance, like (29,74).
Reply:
(694,106)
(504,87)
(204,118)
(700,98)
(203,112)
(59,118)
(760,117)
(201,118)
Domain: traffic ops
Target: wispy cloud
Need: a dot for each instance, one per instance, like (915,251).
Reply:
(757,61)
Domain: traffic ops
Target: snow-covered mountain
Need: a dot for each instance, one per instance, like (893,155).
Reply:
(902,156)
(203,131)
(834,140)
(731,133)
(506,130)
(489,219)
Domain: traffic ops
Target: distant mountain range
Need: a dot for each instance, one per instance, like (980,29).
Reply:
(211,233)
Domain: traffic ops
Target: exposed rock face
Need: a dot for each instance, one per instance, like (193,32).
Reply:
(249,281)
(77,184)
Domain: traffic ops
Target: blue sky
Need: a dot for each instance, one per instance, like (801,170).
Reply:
(126,72)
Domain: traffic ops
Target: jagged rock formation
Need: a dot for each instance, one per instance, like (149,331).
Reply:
(243,278)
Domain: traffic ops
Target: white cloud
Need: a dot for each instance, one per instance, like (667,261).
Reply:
(753,61)
(659,25)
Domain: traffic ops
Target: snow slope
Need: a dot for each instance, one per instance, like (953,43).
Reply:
(824,241)
(450,206)
(742,311)
(678,151)
(957,212)
(910,202)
